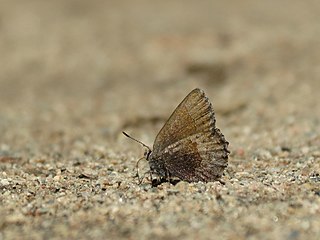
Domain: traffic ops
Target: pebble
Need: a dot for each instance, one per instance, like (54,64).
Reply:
(263,154)
(4,182)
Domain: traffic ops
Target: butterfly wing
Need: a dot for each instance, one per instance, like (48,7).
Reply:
(189,146)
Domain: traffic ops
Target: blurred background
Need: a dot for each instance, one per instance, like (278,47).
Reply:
(74,74)
(94,68)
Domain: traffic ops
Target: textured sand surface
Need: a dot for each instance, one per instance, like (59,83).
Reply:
(74,74)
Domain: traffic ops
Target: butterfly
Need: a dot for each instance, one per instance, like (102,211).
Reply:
(189,146)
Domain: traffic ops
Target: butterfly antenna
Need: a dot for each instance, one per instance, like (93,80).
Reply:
(128,136)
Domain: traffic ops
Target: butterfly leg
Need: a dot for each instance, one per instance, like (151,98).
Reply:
(168,176)
(150,172)
(157,181)
(140,179)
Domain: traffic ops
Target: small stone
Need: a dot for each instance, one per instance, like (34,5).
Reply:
(242,174)
(316,154)
(181,186)
(4,182)
(57,178)
(15,219)
(264,154)
(240,152)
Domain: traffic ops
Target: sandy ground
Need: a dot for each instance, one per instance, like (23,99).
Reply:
(74,74)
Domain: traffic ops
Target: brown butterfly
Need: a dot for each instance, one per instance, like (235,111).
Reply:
(189,146)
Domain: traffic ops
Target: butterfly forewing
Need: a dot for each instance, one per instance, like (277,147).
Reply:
(189,146)
(181,123)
